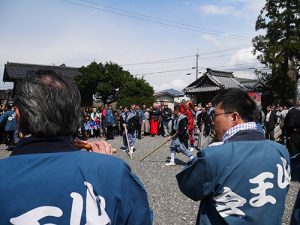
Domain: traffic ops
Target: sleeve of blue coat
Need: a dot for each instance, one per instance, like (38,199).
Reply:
(137,200)
(295,165)
(197,180)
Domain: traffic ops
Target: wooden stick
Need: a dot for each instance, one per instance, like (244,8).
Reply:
(89,147)
(158,147)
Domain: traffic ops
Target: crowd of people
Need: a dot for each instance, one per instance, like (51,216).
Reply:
(242,178)
(106,122)
(158,119)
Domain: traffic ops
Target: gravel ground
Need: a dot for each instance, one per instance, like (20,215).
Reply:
(170,206)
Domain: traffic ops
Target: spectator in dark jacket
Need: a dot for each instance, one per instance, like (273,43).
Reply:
(271,120)
(292,128)
(166,114)
(203,119)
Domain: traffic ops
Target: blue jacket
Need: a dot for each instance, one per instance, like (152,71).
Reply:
(110,119)
(129,120)
(49,181)
(295,164)
(9,121)
(140,116)
(244,181)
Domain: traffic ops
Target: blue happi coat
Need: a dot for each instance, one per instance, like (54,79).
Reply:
(241,182)
(295,164)
(180,125)
(129,120)
(48,181)
(109,117)
(8,121)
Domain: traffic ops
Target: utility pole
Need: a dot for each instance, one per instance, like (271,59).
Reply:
(197,57)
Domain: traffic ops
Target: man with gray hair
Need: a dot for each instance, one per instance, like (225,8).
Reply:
(49,181)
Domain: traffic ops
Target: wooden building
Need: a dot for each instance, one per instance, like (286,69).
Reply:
(169,96)
(206,87)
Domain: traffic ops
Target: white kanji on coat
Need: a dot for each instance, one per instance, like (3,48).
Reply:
(228,203)
(95,211)
(284,174)
(33,216)
(263,186)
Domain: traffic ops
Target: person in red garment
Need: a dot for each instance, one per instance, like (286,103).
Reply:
(183,106)
(154,114)
(190,115)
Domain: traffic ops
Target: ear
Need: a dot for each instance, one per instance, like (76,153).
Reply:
(236,119)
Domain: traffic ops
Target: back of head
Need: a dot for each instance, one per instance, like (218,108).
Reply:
(49,105)
(236,100)
(176,108)
(8,107)
(290,103)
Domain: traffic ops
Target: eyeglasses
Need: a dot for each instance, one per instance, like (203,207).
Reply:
(219,114)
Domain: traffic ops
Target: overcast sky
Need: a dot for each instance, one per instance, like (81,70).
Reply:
(146,37)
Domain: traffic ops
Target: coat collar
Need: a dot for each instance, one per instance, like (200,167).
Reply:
(33,145)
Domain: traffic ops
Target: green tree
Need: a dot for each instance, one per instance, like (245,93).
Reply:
(279,46)
(110,80)
(88,81)
(136,91)
(113,78)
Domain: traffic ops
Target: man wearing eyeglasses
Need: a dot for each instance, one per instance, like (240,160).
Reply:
(245,178)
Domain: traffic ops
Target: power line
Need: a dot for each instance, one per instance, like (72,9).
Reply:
(222,66)
(158,21)
(162,19)
(162,62)
(224,50)
(234,65)
(159,72)
(159,61)
(174,61)
(170,60)
(214,57)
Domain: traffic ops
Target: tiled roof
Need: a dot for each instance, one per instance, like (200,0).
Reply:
(249,83)
(214,80)
(227,82)
(219,73)
(17,71)
(203,89)
(171,92)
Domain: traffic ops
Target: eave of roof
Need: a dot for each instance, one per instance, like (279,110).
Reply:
(218,80)
(17,71)
(203,89)
(171,92)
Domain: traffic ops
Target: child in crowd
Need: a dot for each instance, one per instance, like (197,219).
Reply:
(87,127)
